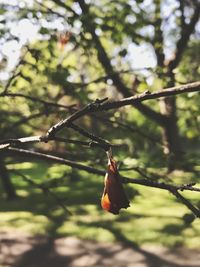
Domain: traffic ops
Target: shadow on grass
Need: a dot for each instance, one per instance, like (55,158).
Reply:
(45,253)
(78,196)
(152,260)
(42,255)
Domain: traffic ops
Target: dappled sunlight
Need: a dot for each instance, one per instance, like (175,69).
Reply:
(25,222)
(83,83)
(153,218)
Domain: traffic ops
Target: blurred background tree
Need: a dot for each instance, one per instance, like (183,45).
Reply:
(57,56)
(116,49)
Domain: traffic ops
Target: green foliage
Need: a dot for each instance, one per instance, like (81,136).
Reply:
(66,76)
(75,76)
(189,69)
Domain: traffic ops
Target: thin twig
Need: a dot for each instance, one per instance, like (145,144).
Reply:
(100,105)
(36,99)
(187,203)
(168,92)
(80,113)
(38,155)
(16,72)
(44,189)
(101,142)
(13,76)
(185,37)
(145,182)
(107,105)
(83,143)
(130,128)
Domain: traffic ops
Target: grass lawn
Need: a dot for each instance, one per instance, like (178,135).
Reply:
(155,216)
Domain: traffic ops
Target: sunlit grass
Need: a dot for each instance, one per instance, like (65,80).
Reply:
(25,222)
(155,216)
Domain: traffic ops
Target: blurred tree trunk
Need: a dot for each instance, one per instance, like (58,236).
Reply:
(6,181)
(171,138)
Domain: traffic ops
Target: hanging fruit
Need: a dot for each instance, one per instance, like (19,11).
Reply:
(114,197)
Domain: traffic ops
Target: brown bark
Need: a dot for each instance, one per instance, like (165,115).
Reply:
(6,181)
(167,119)
(115,77)
(171,136)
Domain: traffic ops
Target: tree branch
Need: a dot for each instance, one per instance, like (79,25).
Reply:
(35,99)
(131,128)
(183,41)
(65,6)
(158,37)
(105,62)
(171,188)
(181,8)
(16,72)
(50,158)
(101,142)
(103,105)
(44,189)
(187,88)
(145,182)
(80,113)
(187,203)
(161,185)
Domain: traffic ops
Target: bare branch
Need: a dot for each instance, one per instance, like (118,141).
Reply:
(51,158)
(10,80)
(187,203)
(102,105)
(158,37)
(181,8)
(160,185)
(76,142)
(96,106)
(101,142)
(113,75)
(171,188)
(35,99)
(145,182)
(44,189)
(85,110)
(131,128)
(183,41)
(29,139)
(187,88)
(79,166)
